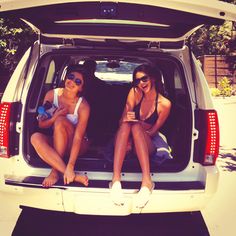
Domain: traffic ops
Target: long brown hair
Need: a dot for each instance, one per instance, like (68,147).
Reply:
(153,72)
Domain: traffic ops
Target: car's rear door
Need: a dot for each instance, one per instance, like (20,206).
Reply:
(163,20)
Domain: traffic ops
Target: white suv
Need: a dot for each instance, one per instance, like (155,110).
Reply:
(118,35)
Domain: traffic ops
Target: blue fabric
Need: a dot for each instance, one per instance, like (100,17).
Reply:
(163,151)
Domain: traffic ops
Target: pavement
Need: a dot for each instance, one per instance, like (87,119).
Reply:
(226,109)
(9,213)
(220,213)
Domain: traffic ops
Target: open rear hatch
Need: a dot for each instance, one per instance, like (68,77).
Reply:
(169,21)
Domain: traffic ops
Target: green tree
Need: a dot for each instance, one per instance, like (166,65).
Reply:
(212,40)
(216,40)
(15,38)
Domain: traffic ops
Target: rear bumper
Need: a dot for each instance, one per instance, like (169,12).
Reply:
(160,201)
(95,200)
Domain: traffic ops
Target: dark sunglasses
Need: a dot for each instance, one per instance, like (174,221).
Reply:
(145,78)
(76,80)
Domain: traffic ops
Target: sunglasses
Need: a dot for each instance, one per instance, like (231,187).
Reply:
(76,80)
(145,78)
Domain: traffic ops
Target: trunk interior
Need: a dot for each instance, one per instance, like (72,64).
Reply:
(107,99)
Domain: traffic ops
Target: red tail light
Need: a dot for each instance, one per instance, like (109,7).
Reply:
(206,148)
(212,138)
(5,109)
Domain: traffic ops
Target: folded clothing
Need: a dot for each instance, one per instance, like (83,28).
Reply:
(162,153)
(163,150)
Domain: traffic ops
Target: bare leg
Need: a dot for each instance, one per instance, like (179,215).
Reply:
(82,178)
(48,154)
(62,142)
(143,147)
(63,134)
(121,144)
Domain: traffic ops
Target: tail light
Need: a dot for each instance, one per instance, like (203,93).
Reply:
(8,134)
(5,109)
(208,142)
(212,138)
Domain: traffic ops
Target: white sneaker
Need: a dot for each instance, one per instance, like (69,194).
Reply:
(143,196)
(116,193)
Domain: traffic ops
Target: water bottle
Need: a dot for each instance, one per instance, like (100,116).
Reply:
(46,111)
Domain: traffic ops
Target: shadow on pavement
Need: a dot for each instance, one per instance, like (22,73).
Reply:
(227,159)
(41,222)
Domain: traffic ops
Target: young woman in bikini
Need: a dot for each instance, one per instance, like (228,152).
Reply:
(69,123)
(145,112)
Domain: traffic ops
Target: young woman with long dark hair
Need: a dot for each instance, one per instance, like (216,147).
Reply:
(144,114)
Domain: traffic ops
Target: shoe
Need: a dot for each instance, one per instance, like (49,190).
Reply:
(116,193)
(143,196)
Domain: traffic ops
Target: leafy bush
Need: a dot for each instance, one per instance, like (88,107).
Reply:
(15,38)
(225,87)
(215,92)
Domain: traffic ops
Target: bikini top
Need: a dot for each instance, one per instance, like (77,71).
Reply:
(73,118)
(152,118)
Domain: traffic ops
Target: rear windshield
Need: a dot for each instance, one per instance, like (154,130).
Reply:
(115,71)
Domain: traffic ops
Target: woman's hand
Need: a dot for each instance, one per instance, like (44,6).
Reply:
(69,175)
(130,117)
(49,122)
(61,111)
(150,133)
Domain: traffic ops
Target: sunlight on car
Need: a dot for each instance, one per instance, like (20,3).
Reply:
(110,21)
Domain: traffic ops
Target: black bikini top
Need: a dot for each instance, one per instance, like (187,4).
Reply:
(152,118)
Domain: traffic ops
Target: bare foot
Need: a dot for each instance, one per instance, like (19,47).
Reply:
(83,179)
(51,179)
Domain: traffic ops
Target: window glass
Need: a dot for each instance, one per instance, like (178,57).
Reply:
(120,71)
(51,72)
(177,80)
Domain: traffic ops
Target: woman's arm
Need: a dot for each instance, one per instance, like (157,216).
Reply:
(164,106)
(128,114)
(48,122)
(83,114)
